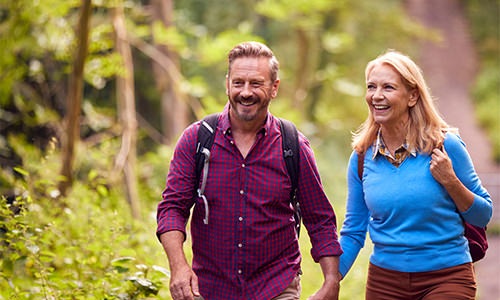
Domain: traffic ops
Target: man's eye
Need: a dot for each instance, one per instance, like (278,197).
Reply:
(257,84)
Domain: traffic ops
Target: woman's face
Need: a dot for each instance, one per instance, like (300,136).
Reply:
(388,98)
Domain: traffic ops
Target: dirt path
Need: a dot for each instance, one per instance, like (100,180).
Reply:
(450,68)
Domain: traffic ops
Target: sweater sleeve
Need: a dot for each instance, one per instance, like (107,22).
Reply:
(481,210)
(354,228)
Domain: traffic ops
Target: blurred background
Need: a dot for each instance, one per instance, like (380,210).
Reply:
(95,93)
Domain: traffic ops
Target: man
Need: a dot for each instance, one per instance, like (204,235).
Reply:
(248,249)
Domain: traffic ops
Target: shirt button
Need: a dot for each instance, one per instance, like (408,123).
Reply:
(240,245)
(243,165)
(242,192)
(232,142)
(239,271)
(240,219)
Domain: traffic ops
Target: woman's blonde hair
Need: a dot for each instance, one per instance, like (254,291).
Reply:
(425,129)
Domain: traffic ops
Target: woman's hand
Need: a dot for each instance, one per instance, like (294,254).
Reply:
(441,167)
(442,170)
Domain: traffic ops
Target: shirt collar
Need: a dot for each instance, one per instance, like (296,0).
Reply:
(225,124)
(380,148)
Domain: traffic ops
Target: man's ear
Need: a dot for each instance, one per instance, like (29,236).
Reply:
(227,85)
(276,86)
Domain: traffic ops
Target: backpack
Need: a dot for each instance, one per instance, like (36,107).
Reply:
(476,236)
(290,142)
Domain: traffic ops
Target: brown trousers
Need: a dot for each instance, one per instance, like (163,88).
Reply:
(457,283)
(292,292)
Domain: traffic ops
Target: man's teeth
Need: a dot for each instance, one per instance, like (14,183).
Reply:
(381,106)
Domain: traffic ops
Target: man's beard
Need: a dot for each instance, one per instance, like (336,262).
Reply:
(241,113)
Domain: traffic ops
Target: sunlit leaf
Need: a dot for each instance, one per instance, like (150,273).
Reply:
(33,248)
(21,171)
(162,270)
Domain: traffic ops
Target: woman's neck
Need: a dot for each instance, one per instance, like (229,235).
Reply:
(394,137)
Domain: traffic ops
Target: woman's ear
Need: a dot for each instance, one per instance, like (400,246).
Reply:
(414,95)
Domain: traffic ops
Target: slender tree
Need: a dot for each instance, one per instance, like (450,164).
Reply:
(126,159)
(173,106)
(74,99)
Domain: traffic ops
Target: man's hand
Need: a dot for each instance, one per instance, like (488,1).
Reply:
(184,284)
(183,280)
(330,288)
(328,291)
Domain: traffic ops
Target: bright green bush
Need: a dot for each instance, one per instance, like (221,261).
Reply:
(76,252)
(84,246)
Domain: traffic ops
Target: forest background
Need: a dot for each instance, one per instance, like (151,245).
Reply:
(93,95)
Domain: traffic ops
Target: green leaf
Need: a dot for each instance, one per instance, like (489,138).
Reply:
(162,270)
(21,171)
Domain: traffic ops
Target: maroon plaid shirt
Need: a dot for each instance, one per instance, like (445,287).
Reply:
(248,249)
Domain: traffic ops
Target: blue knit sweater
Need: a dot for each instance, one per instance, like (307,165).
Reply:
(412,221)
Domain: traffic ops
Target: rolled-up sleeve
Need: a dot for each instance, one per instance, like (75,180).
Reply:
(317,211)
(178,196)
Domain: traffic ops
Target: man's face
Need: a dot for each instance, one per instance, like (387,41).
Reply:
(249,87)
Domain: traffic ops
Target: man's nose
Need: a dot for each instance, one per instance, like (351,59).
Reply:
(246,91)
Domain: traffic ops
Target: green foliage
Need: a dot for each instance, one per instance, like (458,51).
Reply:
(85,246)
(330,42)
(28,32)
(486,94)
(486,90)
(168,36)
(65,253)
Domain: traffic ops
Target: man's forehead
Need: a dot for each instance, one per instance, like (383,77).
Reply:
(250,67)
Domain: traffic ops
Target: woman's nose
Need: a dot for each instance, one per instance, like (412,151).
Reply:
(378,95)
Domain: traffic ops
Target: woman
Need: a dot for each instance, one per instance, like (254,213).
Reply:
(418,185)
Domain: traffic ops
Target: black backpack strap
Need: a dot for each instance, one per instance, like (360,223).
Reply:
(291,152)
(206,136)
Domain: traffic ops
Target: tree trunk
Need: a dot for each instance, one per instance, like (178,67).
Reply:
(126,158)
(74,100)
(302,72)
(175,112)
